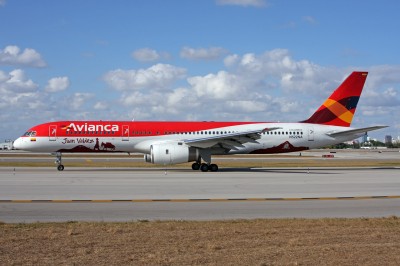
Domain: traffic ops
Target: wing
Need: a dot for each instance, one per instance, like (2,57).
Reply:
(231,141)
(353,132)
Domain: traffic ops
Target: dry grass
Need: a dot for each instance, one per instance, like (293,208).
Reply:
(239,242)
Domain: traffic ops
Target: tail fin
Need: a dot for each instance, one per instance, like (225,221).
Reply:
(339,108)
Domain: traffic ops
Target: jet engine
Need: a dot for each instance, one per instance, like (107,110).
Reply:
(171,153)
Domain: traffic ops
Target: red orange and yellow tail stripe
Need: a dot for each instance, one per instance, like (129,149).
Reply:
(339,108)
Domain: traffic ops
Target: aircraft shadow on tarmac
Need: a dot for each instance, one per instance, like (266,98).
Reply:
(326,171)
(280,170)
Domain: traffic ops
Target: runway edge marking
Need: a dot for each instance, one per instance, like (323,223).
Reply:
(197,200)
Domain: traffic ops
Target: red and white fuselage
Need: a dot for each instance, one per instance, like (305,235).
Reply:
(131,137)
(179,142)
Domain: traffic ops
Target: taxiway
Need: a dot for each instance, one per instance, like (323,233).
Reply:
(180,194)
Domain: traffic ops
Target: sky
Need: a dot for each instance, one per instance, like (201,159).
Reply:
(209,60)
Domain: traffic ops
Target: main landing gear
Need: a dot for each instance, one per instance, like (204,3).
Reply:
(204,167)
(205,154)
(58,161)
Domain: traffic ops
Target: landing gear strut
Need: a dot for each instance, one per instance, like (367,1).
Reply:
(58,161)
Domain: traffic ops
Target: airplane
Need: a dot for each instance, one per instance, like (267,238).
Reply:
(167,143)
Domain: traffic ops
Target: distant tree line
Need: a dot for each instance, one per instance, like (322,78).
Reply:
(371,143)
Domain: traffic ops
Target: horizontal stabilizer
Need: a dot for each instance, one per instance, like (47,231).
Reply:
(355,132)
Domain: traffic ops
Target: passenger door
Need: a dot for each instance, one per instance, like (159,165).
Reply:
(311,134)
(125,132)
(52,132)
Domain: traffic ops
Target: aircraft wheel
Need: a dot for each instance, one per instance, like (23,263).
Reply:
(60,167)
(204,167)
(195,166)
(213,167)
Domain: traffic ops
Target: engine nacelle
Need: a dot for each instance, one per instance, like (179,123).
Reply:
(171,153)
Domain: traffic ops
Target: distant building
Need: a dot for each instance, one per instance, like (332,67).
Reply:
(388,139)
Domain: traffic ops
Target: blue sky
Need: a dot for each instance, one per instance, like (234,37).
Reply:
(234,60)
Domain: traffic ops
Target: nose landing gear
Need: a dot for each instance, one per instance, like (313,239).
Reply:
(60,166)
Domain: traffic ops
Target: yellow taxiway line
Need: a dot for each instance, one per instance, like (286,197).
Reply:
(195,200)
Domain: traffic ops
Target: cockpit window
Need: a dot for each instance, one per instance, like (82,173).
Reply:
(30,134)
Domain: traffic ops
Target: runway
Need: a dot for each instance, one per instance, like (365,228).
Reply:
(180,194)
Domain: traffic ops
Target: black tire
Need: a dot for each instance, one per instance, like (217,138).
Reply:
(60,167)
(213,167)
(195,166)
(204,167)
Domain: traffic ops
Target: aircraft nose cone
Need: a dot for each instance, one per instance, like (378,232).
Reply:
(18,144)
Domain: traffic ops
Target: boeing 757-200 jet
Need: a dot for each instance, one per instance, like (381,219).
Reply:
(168,143)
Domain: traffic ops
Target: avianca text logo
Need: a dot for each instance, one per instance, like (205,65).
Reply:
(90,127)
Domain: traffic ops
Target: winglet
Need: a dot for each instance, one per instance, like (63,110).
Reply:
(339,108)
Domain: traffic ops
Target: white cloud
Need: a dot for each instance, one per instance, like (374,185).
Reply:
(158,76)
(24,101)
(179,102)
(231,60)
(177,96)
(383,74)
(390,93)
(247,106)
(57,84)
(15,82)
(2,2)
(375,111)
(12,55)
(138,98)
(20,101)
(77,100)
(223,85)
(149,55)
(381,88)
(240,92)
(278,66)
(271,86)
(202,53)
(287,106)
(101,106)
(255,3)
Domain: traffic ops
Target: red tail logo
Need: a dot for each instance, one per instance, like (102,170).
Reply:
(339,108)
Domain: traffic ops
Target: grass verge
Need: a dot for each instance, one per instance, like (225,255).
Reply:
(238,242)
